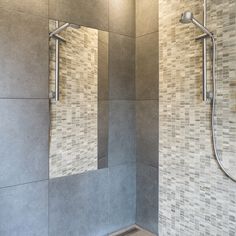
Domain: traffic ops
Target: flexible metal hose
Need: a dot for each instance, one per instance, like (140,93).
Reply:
(213,111)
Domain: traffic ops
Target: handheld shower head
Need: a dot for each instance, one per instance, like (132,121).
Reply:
(187,17)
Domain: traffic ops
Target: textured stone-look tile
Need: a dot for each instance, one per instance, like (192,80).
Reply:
(122,189)
(103,60)
(121,142)
(90,13)
(24,55)
(78,204)
(146,17)
(74,118)
(121,67)
(147,132)
(34,7)
(196,198)
(147,64)
(24,141)
(24,210)
(147,197)
(122,17)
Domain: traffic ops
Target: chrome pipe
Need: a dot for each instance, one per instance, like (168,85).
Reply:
(204,66)
(57,67)
(59,29)
(57,36)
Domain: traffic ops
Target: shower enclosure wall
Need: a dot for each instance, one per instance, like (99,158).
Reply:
(195,195)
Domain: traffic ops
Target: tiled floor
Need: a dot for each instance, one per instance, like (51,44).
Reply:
(134,231)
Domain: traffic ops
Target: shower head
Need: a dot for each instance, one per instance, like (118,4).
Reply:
(187,17)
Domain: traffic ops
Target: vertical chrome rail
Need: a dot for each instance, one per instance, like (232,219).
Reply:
(204,66)
(57,67)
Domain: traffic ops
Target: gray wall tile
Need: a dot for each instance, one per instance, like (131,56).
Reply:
(103,61)
(121,144)
(24,141)
(79,204)
(34,7)
(146,17)
(24,55)
(122,17)
(90,13)
(103,128)
(147,66)
(147,197)
(147,132)
(24,210)
(121,67)
(122,190)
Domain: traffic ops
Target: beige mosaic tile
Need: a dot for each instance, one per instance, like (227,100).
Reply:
(196,198)
(73,131)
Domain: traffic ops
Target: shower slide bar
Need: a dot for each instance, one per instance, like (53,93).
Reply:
(58,39)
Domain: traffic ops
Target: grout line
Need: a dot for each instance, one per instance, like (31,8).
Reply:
(22,184)
(153,32)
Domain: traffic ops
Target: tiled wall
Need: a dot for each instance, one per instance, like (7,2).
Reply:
(196,198)
(92,203)
(147,114)
(73,126)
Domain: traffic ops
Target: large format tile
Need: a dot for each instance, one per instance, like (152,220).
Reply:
(122,17)
(24,141)
(121,67)
(90,13)
(24,55)
(121,143)
(147,132)
(146,17)
(147,197)
(147,67)
(122,189)
(24,210)
(103,127)
(78,205)
(34,7)
(103,61)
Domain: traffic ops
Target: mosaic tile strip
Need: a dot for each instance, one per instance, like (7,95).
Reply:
(195,196)
(73,131)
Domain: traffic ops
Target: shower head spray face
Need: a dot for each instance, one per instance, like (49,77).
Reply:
(186,17)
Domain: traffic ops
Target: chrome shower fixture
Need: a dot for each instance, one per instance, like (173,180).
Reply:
(187,17)
(55,35)
(61,28)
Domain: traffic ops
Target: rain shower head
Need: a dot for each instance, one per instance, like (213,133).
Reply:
(187,17)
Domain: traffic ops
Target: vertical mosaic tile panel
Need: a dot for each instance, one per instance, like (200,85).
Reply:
(196,198)
(73,132)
